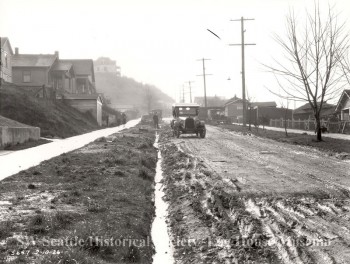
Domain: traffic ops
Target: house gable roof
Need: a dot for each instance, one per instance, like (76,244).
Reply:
(33,60)
(327,109)
(3,41)
(83,67)
(62,66)
(234,99)
(307,107)
(345,94)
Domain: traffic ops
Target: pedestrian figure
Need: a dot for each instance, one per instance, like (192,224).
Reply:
(124,118)
(155,120)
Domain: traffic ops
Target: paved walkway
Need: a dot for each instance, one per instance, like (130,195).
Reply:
(331,135)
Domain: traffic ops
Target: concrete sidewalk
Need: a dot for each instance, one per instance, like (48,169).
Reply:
(13,162)
(309,132)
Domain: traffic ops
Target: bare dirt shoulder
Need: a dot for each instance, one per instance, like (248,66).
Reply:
(93,205)
(339,148)
(236,198)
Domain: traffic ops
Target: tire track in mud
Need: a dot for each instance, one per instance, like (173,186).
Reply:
(231,222)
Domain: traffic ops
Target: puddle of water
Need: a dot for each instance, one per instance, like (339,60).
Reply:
(160,236)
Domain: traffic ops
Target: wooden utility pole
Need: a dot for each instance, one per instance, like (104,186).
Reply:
(242,44)
(189,85)
(204,74)
(183,93)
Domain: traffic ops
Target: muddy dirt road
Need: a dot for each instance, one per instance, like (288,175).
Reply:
(243,199)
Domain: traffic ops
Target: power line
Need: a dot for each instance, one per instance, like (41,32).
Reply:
(204,74)
(242,44)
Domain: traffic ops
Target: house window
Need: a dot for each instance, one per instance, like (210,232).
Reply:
(239,107)
(26,76)
(6,61)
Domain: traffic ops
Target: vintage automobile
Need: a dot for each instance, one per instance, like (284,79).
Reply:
(186,120)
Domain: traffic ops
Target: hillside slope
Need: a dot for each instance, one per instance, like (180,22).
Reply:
(53,118)
(127,91)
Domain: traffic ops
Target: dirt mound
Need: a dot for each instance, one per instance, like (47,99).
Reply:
(55,118)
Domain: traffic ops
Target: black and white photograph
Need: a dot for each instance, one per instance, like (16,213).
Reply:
(175,132)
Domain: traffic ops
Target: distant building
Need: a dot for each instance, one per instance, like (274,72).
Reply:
(84,75)
(63,77)
(34,73)
(343,106)
(55,75)
(105,64)
(263,114)
(6,60)
(91,103)
(33,69)
(234,108)
(305,112)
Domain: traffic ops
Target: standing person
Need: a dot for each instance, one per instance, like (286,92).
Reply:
(124,118)
(155,120)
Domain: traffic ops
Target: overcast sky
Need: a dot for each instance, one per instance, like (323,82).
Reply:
(157,41)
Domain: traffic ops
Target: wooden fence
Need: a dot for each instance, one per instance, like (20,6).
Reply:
(310,125)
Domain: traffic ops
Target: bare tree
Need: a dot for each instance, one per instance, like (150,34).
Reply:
(314,52)
(285,116)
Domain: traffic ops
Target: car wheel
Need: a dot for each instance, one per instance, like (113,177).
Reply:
(202,134)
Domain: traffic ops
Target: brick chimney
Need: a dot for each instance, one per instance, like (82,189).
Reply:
(57,54)
(16,51)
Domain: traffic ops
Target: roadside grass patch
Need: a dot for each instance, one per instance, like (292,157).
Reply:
(132,254)
(144,174)
(36,172)
(143,146)
(31,186)
(120,173)
(5,229)
(148,162)
(188,175)
(38,224)
(95,207)
(70,256)
(104,194)
(120,161)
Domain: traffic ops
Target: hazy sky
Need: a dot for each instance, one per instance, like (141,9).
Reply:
(157,41)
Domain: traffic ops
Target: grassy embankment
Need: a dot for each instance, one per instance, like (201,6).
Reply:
(55,118)
(93,205)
